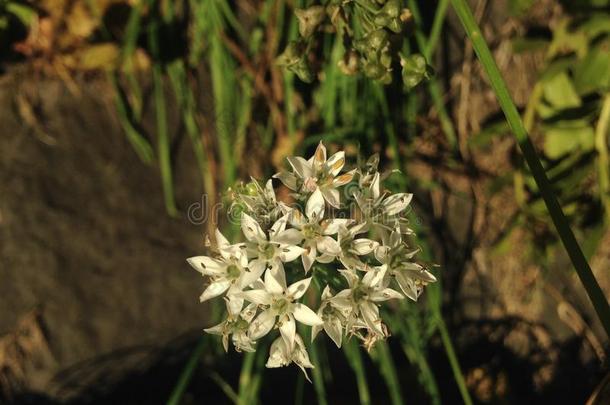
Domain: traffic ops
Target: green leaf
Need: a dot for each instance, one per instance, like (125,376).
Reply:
(559,92)
(562,140)
(593,72)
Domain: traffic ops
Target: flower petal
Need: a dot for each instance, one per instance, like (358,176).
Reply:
(308,257)
(289,253)
(331,195)
(301,167)
(344,178)
(278,226)
(396,203)
(252,229)
(278,355)
(290,236)
(319,157)
(374,276)
(262,324)
(221,241)
(254,272)
(275,281)
(306,316)
(332,226)
(214,290)
(288,329)
(334,330)
(328,245)
(296,290)
(288,179)
(314,208)
(385,294)
(335,163)
(364,246)
(258,297)
(370,314)
(206,265)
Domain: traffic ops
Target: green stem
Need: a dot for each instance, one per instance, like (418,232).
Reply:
(453,361)
(601,144)
(187,374)
(388,371)
(426,46)
(352,352)
(568,239)
(437,28)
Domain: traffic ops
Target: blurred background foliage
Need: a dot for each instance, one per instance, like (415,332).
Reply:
(206,71)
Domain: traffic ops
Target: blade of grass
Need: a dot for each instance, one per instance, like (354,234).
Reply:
(388,370)
(427,47)
(163,147)
(318,377)
(225,387)
(453,361)
(601,144)
(511,113)
(187,373)
(138,141)
(354,358)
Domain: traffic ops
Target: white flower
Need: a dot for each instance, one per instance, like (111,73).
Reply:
(333,318)
(236,324)
(362,297)
(279,301)
(352,248)
(315,231)
(281,355)
(411,277)
(383,210)
(280,246)
(228,271)
(317,173)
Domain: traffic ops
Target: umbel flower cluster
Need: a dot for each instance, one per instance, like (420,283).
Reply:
(326,259)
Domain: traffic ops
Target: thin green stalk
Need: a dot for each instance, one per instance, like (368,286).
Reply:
(138,141)
(225,387)
(601,144)
(566,235)
(186,100)
(453,361)
(427,46)
(354,357)
(388,371)
(245,377)
(437,28)
(187,373)
(318,377)
(163,147)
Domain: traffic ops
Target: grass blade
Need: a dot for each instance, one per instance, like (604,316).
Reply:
(354,357)
(187,373)
(560,221)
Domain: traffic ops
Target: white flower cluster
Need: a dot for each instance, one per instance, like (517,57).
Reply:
(357,249)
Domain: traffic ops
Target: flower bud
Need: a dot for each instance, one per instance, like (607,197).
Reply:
(395,25)
(349,63)
(414,70)
(291,55)
(382,19)
(377,39)
(309,19)
(391,8)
